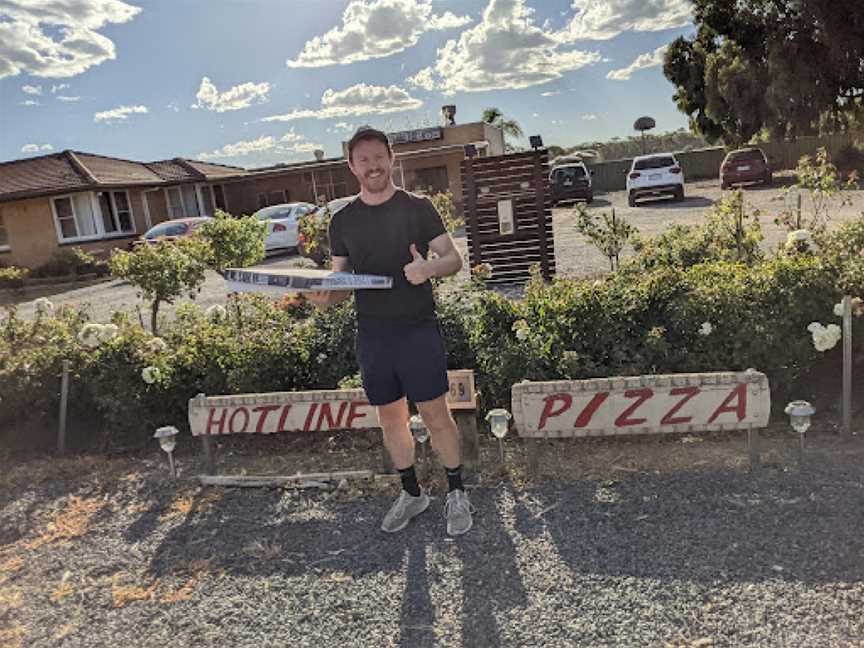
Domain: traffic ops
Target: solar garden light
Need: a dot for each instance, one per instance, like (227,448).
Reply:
(799,412)
(499,423)
(167,437)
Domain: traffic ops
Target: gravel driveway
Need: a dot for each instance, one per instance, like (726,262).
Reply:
(574,257)
(714,558)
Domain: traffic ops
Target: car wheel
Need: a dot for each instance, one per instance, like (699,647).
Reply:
(679,194)
(768,179)
(631,200)
(590,198)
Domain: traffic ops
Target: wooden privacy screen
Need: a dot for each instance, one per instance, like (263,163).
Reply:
(509,215)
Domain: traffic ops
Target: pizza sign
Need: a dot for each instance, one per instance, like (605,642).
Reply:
(642,405)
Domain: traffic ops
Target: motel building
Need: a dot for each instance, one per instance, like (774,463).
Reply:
(100,203)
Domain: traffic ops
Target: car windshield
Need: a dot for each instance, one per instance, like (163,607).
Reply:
(278,211)
(568,173)
(658,162)
(746,156)
(166,229)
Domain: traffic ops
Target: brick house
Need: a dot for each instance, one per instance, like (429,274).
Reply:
(97,203)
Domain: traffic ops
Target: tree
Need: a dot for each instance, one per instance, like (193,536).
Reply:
(233,242)
(510,127)
(792,67)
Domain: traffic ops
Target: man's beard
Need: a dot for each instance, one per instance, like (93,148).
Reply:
(376,185)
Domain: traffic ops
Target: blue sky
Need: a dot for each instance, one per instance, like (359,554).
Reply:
(255,82)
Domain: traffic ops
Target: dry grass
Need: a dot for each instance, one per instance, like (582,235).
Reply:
(64,631)
(182,594)
(72,522)
(122,595)
(13,636)
(263,549)
(186,503)
(63,590)
(10,599)
(10,566)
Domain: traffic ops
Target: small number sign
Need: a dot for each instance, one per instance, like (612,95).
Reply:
(462,395)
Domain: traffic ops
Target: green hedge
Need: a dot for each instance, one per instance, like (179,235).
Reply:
(631,323)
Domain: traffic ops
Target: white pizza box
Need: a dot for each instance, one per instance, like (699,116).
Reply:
(282,280)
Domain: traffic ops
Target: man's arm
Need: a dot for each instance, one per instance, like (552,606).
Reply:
(325,298)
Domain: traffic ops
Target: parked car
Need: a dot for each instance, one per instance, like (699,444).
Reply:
(745,166)
(571,181)
(654,175)
(171,230)
(282,224)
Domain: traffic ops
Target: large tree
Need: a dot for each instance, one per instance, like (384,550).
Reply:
(791,67)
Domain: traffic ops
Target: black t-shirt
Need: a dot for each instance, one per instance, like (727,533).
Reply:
(377,239)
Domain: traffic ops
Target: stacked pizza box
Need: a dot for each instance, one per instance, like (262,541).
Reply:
(282,280)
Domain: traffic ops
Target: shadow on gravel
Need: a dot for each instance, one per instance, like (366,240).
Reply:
(799,527)
(689,202)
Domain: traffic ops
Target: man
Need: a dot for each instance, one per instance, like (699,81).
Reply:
(400,350)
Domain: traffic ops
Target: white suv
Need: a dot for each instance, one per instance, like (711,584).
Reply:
(655,175)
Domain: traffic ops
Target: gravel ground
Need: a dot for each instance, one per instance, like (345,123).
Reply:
(574,257)
(109,552)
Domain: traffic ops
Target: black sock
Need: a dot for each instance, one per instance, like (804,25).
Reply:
(409,481)
(454,478)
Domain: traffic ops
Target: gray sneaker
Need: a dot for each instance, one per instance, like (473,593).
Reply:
(458,510)
(405,508)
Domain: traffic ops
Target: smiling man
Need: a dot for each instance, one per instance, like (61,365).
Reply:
(400,349)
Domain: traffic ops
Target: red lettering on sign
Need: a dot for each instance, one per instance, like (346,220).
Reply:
(641,395)
(220,422)
(593,405)
(234,414)
(740,409)
(309,416)
(689,392)
(352,413)
(549,408)
(282,417)
(325,410)
(265,412)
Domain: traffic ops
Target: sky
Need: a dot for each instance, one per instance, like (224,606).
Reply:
(258,82)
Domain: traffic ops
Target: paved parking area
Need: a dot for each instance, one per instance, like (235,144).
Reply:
(574,257)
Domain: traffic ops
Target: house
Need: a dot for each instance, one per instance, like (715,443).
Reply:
(97,202)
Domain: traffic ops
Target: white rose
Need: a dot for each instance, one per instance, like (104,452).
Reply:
(43,306)
(157,345)
(216,312)
(838,309)
(108,332)
(321,357)
(90,335)
(150,375)
(706,328)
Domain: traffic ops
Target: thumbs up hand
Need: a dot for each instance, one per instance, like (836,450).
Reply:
(418,271)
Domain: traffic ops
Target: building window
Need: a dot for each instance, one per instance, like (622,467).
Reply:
(276,197)
(116,212)
(86,216)
(219,198)
(183,202)
(4,234)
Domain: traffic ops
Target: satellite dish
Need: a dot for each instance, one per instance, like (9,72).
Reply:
(644,123)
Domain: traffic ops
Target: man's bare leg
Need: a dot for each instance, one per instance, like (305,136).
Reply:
(443,431)
(393,418)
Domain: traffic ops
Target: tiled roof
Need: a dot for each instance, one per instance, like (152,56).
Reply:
(35,176)
(74,171)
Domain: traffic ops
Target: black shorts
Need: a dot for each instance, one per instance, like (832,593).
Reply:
(410,362)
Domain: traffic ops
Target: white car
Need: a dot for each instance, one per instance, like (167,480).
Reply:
(282,224)
(654,175)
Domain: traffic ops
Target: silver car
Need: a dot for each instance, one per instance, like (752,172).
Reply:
(282,224)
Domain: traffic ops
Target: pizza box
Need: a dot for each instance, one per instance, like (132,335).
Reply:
(283,280)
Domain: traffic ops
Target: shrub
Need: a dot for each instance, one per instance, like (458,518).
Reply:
(13,277)
(233,242)
(606,232)
(313,239)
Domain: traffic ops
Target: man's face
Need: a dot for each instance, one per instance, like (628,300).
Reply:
(371,164)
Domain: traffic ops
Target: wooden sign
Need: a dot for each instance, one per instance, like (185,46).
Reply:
(642,405)
(308,411)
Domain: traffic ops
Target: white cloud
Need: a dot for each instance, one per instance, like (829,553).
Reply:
(343,126)
(118,114)
(589,116)
(643,61)
(32,90)
(58,87)
(36,148)
(360,99)
(239,97)
(30,102)
(605,19)
(289,143)
(57,38)
(374,29)
(506,50)
(551,93)
(67,99)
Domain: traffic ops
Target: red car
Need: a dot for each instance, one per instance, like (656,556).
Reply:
(743,167)
(171,230)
